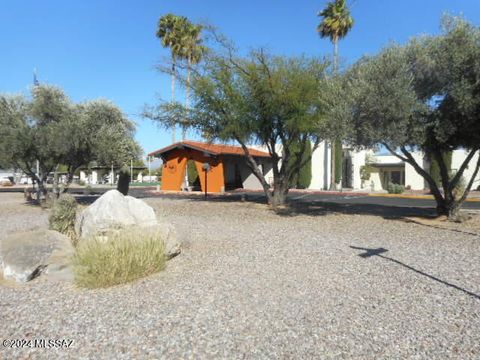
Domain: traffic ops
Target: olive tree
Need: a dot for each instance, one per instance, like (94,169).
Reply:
(100,133)
(30,131)
(424,96)
(48,129)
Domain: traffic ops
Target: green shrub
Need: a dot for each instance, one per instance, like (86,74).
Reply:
(81,182)
(63,214)
(303,179)
(127,255)
(305,173)
(192,173)
(395,188)
(123,184)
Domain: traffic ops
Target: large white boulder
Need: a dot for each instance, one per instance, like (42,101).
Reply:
(25,255)
(113,212)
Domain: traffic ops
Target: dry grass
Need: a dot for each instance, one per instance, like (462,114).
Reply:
(127,255)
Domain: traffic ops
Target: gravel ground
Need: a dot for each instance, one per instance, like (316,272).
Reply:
(252,284)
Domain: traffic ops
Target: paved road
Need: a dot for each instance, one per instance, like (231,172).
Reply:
(351,203)
(375,200)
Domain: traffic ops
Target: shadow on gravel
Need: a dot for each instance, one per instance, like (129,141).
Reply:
(251,198)
(314,208)
(379,251)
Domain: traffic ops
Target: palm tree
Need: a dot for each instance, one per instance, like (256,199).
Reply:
(169,31)
(192,52)
(336,23)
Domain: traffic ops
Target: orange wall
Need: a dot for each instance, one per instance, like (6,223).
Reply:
(174,170)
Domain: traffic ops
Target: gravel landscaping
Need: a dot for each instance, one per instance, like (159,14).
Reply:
(253,284)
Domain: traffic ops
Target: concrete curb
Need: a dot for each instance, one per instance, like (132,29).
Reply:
(429,197)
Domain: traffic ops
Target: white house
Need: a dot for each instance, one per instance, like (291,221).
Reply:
(385,169)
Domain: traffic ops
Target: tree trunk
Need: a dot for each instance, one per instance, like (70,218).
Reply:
(252,164)
(335,55)
(449,208)
(280,193)
(70,175)
(173,99)
(187,100)
(41,189)
(55,189)
(333,184)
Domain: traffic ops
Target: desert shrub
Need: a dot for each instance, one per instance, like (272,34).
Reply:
(127,255)
(63,214)
(395,188)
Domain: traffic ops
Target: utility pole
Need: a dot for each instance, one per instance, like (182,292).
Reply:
(206,168)
(131,170)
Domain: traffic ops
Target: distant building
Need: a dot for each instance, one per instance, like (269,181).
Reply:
(227,166)
(229,169)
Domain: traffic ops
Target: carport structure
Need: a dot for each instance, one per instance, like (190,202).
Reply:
(227,165)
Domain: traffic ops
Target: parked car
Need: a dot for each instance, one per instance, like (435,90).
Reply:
(6,181)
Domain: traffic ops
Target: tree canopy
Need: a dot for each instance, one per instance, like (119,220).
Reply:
(51,129)
(423,96)
(184,39)
(268,100)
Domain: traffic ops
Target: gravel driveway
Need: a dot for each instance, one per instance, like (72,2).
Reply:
(252,284)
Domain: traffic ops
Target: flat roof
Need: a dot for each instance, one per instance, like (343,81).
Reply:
(210,148)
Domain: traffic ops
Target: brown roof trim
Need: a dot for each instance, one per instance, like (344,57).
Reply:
(209,148)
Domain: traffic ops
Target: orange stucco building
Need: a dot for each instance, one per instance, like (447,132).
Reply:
(226,163)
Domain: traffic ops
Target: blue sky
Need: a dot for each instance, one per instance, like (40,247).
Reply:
(108,48)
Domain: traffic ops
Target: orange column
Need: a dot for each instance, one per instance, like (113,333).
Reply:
(173,171)
(215,176)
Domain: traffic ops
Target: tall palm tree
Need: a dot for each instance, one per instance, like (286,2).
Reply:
(336,24)
(169,32)
(192,52)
